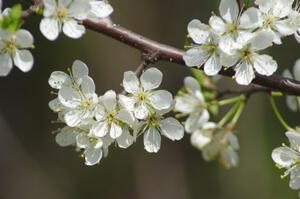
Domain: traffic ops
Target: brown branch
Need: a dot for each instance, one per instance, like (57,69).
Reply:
(171,54)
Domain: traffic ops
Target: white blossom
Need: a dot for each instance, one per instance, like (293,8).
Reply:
(192,103)
(217,143)
(64,15)
(206,50)
(288,157)
(155,126)
(113,120)
(14,51)
(143,100)
(248,60)
(293,102)
(273,18)
(231,26)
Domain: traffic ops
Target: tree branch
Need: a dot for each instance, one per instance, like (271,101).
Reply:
(171,54)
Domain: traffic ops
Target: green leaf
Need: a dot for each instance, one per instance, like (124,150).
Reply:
(12,21)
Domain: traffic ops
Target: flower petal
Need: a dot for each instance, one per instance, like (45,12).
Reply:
(88,87)
(23,60)
(50,28)
(69,97)
(5,64)
(284,156)
(244,74)
(57,79)
(172,129)
(55,105)
(92,156)
(115,131)
(101,9)
(109,100)
(24,39)
(79,9)
(151,79)
(213,65)
(79,70)
(198,31)
(229,10)
(195,57)
(130,82)
(251,19)
(72,29)
(125,140)
(294,138)
(141,111)
(196,121)
(127,102)
(295,178)
(100,129)
(66,137)
(296,70)
(264,64)
(217,24)
(161,99)
(152,140)
(49,7)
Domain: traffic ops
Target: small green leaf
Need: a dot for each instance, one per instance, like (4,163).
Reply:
(12,21)
(214,109)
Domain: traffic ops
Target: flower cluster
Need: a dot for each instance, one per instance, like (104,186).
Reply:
(215,141)
(94,122)
(14,45)
(288,157)
(237,38)
(65,16)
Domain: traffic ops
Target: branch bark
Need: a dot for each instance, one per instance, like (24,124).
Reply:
(171,54)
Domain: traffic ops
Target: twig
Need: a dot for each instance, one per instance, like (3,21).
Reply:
(171,54)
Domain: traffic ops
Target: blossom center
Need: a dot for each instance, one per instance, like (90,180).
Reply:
(141,96)
(232,28)
(10,46)
(85,103)
(269,21)
(61,13)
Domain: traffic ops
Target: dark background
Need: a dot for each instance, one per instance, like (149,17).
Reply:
(33,166)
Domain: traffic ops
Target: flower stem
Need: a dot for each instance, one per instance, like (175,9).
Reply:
(231,100)
(228,115)
(279,116)
(241,106)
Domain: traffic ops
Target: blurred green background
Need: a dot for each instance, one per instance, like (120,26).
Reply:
(33,166)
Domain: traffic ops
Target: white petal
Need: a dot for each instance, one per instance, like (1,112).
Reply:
(161,99)
(49,28)
(115,131)
(66,137)
(69,97)
(229,60)
(196,121)
(244,74)
(55,105)
(92,156)
(212,65)
(100,129)
(198,31)
(262,40)
(124,116)
(229,10)
(64,3)
(217,24)
(287,74)
(295,178)
(109,100)
(228,45)
(5,64)
(74,117)
(57,79)
(72,29)
(172,129)
(88,87)
(296,70)
(79,9)
(141,111)
(195,57)
(23,60)
(294,138)
(79,70)
(264,64)
(192,85)
(130,82)
(49,7)
(251,19)
(201,138)
(101,9)
(285,28)
(284,156)
(127,102)
(152,140)
(125,140)
(24,39)
(229,158)
(151,79)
